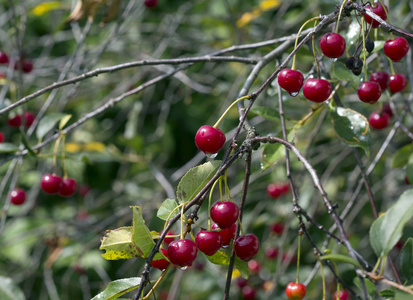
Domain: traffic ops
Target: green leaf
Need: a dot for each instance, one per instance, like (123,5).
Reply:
(8,147)
(166,208)
(64,121)
(402,296)
(409,169)
(267,113)
(341,258)
(387,230)
(352,127)
(141,235)
(341,72)
(117,288)
(222,257)
(47,123)
(9,290)
(118,244)
(406,259)
(401,157)
(272,153)
(371,288)
(387,293)
(195,179)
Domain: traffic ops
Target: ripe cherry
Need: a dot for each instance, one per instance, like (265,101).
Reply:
(382,78)
(226,234)
(27,66)
(274,190)
(15,122)
(246,246)
(378,10)
(51,184)
(68,188)
(291,80)
(295,291)
(4,58)
(378,121)
(29,118)
(1,137)
(342,295)
(271,253)
(162,263)
(248,293)
(369,92)
(182,252)
(277,228)
(241,282)
(332,45)
(18,196)
(396,49)
(208,242)
(387,110)
(209,139)
(167,240)
(397,83)
(254,266)
(151,3)
(317,90)
(224,214)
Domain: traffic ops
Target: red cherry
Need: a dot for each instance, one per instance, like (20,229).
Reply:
(397,83)
(84,190)
(295,291)
(4,58)
(254,266)
(162,263)
(18,196)
(16,121)
(241,282)
(277,228)
(274,190)
(378,121)
(209,139)
(406,180)
(225,214)
(27,66)
(342,295)
(29,118)
(167,240)
(182,252)
(291,81)
(51,184)
(1,137)
(208,242)
(332,45)
(387,110)
(382,78)
(378,10)
(248,293)
(151,3)
(396,49)
(271,253)
(317,90)
(247,246)
(68,188)
(369,92)
(226,234)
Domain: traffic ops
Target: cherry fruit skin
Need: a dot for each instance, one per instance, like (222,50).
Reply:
(317,90)
(342,295)
(397,83)
(51,184)
(246,246)
(4,58)
(378,10)
(277,228)
(295,291)
(15,122)
(387,110)
(151,3)
(396,49)
(209,139)
(254,266)
(18,196)
(208,242)
(271,253)
(369,92)
(182,252)
(27,66)
(248,293)
(332,45)
(291,80)
(29,118)
(224,214)
(226,234)
(382,78)
(1,137)
(168,240)
(378,121)
(162,263)
(68,188)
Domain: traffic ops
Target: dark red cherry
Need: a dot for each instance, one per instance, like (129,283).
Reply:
(342,295)
(4,58)
(182,252)
(226,234)
(387,110)
(378,121)
(162,263)
(378,10)
(317,90)
(295,291)
(396,49)
(271,253)
(15,122)
(51,184)
(68,188)
(248,293)
(246,246)
(151,3)
(29,118)
(27,66)
(274,190)
(332,45)
(18,196)
(291,80)
(224,214)
(169,238)
(397,83)
(1,137)
(209,139)
(241,282)
(208,242)
(369,92)
(382,78)
(277,228)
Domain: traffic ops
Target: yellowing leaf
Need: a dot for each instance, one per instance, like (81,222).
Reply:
(94,146)
(118,244)
(45,7)
(269,4)
(78,147)
(265,5)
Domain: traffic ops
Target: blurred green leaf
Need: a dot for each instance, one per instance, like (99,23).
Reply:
(222,257)
(166,208)
(341,258)
(341,72)
(406,259)
(409,169)
(267,113)
(371,288)
(272,153)
(117,288)
(64,121)
(402,296)
(9,290)
(401,157)
(8,148)
(387,293)
(47,123)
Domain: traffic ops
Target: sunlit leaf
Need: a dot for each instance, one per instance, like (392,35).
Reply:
(45,7)
(47,123)
(64,121)
(141,235)
(9,290)
(166,208)
(118,244)
(117,288)
(8,147)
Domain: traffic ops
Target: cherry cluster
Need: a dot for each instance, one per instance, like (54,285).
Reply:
(53,184)
(276,190)
(26,65)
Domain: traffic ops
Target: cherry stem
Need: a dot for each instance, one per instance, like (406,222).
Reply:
(387,16)
(391,66)
(220,189)
(382,266)
(364,51)
(157,283)
(339,15)
(241,227)
(56,147)
(209,203)
(229,107)
(377,265)
(298,257)
(63,156)
(322,276)
(182,222)
(298,35)
(315,56)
